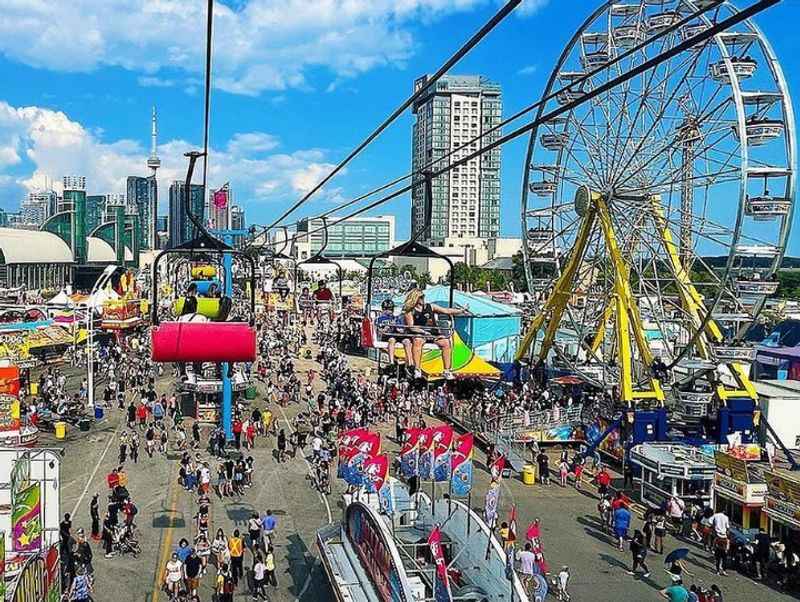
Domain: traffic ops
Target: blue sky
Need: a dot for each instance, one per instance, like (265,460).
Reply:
(299,84)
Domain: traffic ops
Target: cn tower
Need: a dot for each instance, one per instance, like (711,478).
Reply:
(153,162)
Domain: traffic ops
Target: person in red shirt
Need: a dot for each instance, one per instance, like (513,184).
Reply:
(251,435)
(112,479)
(603,480)
(141,415)
(237,432)
(323,293)
(618,501)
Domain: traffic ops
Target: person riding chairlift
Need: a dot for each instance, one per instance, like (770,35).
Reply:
(324,297)
(420,319)
(388,330)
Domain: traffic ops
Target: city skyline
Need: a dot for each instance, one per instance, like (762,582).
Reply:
(275,138)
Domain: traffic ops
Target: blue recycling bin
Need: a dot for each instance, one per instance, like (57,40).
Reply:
(98,413)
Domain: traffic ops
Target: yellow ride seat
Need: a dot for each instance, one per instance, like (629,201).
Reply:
(206,306)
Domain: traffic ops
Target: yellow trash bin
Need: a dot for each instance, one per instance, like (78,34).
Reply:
(529,474)
(34,388)
(61,430)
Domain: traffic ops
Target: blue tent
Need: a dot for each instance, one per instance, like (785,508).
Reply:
(492,330)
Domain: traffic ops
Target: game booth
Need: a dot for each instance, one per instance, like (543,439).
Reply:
(740,487)
(673,470)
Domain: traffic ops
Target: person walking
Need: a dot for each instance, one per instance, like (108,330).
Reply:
(269,563)
(562,581)
(268,525)
(622,522)
(254,532)
(236,549)
(639,554)
(108,535)
(220,549)
(193,567)
(94,514)
(81,588)
(721,525)
(259,578)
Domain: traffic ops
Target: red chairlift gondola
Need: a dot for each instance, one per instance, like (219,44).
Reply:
(196,339)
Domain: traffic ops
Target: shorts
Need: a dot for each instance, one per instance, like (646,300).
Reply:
(621,533)
(193,583)
(602,489)
(660,532)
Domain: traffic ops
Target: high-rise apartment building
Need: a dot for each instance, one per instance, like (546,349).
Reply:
(35,209)
(181,228)
(238,221)
(142,202)
(451,113)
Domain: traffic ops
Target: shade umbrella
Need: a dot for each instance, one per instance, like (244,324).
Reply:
(677,554)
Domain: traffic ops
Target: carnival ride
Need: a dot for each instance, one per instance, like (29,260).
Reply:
(628,194)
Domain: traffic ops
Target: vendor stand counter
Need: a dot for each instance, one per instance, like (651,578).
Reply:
(683,471)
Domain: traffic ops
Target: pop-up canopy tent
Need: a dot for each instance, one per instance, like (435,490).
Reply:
(492,329)
(465,362)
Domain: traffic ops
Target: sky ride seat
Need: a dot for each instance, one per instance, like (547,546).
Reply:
(735,353)
(206,341)
(375,337)
(204,272)
(761,131)
(194,338)
(209,307)
(755,285)
(204,287)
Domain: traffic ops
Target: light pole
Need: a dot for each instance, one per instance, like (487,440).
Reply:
(101,281)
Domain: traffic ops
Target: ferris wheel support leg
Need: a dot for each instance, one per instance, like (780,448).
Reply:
(691,300)
(743,380)
(628,319)
(600,334)
(556,304)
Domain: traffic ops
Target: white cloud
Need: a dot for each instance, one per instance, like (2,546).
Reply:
(148,81)
(260,45)
(528,70)
(54,146)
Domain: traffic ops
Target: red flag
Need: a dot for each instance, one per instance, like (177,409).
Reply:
(412,441)
(351,438)
(462,450)
(442,435)
(442,578)
(375,470)
(220,197)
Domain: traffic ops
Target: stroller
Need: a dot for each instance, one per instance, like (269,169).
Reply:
(124,542)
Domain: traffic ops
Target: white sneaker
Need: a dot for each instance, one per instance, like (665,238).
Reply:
(448,375)
(417,373)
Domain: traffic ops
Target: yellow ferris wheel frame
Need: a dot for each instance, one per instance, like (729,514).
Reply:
(628,327)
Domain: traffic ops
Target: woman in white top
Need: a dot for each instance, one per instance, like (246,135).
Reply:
(220,548)
(173,574)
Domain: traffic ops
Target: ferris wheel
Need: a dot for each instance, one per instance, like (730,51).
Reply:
(656,214)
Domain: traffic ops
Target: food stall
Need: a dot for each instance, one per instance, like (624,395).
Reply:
(671,469)
(740,489)
(783,505)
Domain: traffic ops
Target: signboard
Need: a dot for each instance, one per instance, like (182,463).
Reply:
(783,496)
(9,381)
(26,522)
(374,553)
(39,580)
(746,493)
(732,467)
(9,413)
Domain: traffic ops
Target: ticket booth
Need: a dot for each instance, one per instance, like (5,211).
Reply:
(740,490)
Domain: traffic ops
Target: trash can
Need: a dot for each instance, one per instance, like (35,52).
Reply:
(250,392)
(34,388)
(529,474)
(61,430)
(85,424)
(98,413)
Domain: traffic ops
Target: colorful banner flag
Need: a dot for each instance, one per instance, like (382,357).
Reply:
(490,504)
(442,439)
(426,454)
(462,450)
(26,523)
(386,498)
(461,480)
(220,197)
(375,470)
(442,579)
(354,447)
(409,453)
